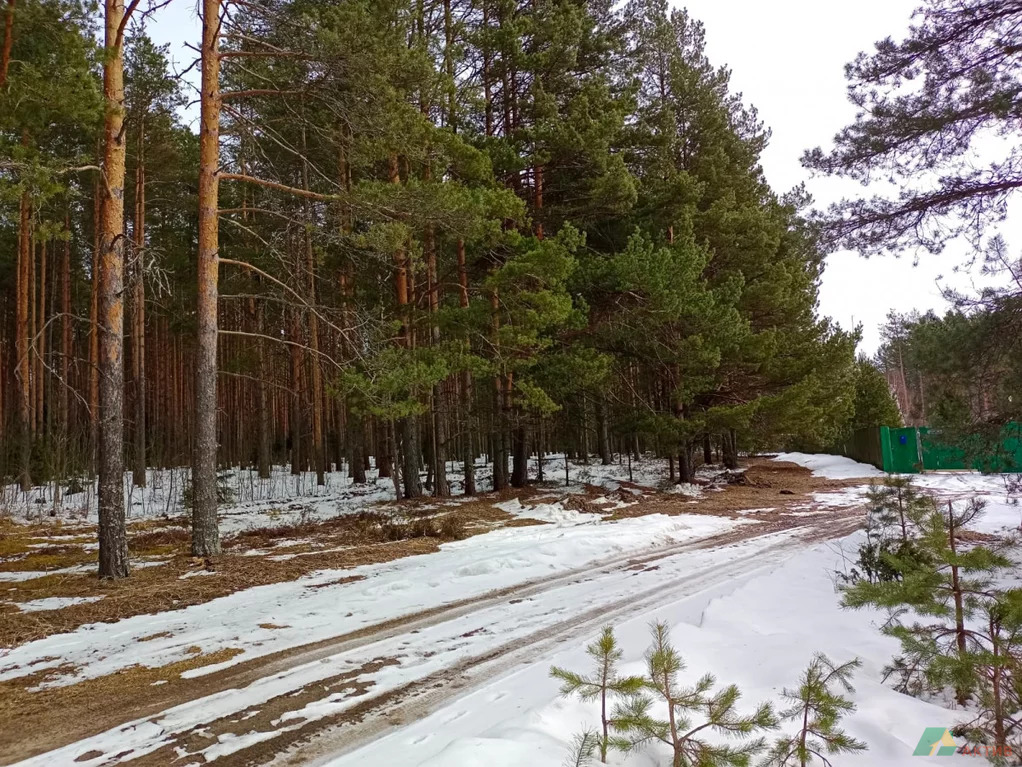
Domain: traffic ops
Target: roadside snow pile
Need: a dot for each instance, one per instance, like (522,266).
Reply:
(321,606)
(552,513)
(831,466)
(748,635)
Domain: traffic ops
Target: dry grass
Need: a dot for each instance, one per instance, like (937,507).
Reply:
(19,700)
(769,484)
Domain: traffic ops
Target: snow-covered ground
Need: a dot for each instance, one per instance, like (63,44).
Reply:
(1003,512)
(759,633)
(334,602)
(487,638)
(482,621)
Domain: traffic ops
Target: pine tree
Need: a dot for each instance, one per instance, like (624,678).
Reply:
(896,511)
(951,582)
(968,83)
(603,683)
(874,404)
(897,508)
(683,734)
(817,709)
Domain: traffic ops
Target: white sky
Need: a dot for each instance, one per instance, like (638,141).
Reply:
(787,57)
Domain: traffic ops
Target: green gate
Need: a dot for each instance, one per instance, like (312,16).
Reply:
(904,451)
(913,449)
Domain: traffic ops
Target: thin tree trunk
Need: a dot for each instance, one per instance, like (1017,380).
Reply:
(5,52)
(956,588)
(487,79)
(685,475)
(22,349)
(318,448)
(538,201)
(205,532)
(467,449)
(40,335)
(113,545)
(409,427)
(731,449)
(94,333)
(384,450)
(138,473)
(520,455)
(65,336)
(441,488)
(997,683)
(410,455)
(499,452)
(603,432)
(295,418)
(262,393)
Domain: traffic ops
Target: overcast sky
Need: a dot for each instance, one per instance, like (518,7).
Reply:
(787,57)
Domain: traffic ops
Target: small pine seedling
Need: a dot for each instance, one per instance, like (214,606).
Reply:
(602,683)
(682,733)
(583,748)
(818,709)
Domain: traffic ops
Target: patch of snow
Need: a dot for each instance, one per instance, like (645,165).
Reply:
(53,603)
(831,466)
(685,488)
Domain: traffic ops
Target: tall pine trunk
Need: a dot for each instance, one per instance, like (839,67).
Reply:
(113,545)
(441,488)
(205,532)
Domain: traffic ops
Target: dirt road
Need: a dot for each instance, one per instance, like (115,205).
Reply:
(320,701)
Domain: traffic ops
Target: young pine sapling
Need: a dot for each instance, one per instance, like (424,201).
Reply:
(584,746)
(950,584)
(896,511)
(995,730)
(681,731)
(817,708)
(602,683)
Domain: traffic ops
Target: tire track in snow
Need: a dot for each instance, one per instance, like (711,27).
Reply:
(313,692)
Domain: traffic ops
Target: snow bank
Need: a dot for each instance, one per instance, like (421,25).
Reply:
(831,466)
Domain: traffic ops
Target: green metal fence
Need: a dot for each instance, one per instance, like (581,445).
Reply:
(912,449)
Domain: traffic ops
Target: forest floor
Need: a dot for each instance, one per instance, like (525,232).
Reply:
(317,633)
